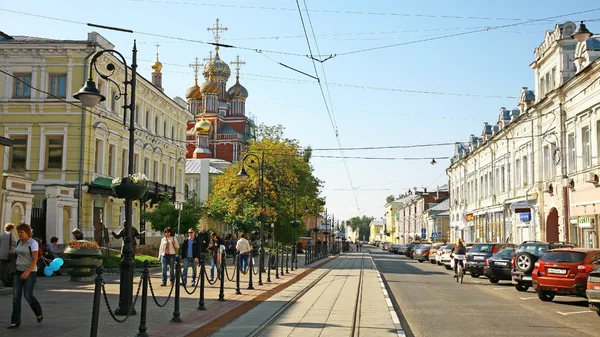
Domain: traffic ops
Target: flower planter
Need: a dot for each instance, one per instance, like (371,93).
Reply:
(82,262)
(126,189)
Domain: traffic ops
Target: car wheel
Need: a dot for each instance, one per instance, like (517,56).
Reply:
(521,287)
(546,296)
(524,262)
(474,275)
(494,280)
(420,261)
(432,261)
(439,263)
(448,267)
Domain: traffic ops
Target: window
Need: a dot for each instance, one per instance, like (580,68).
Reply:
(156,125)
(598,140)
(136,163)
(113,101)
(481,188)
(525,171)
(54,152)
(99,156)
(147,167)
(503,180)
(58,85)
(137,114)
(542,87)
(125,163)
(111,160)
(553,78)
(547,162)
(572,152)
(548,84)
(102,91)
(164,174)
(155,170)
(22,86)
(148,117)
(172,175)
(586,152)
(164,129)
(18,152)
(518,173)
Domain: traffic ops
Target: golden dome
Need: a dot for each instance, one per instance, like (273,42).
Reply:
(157,66)
(202,127)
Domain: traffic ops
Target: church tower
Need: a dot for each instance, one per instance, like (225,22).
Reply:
(156,72)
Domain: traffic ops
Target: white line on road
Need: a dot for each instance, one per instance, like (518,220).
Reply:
(501,288)
(527,298)
(574,312)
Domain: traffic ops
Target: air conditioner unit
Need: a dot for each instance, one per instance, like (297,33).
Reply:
(549,189)
(592,178)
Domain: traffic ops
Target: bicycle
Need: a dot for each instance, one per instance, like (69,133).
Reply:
(459,258)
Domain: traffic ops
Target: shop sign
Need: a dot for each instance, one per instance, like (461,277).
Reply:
(469,217)
(524,217)
(585,222)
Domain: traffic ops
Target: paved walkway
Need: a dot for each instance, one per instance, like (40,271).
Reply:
(326,309)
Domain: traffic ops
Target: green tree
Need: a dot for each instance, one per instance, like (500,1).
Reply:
(288,175)
(165,215)
(362,224)
(390,198)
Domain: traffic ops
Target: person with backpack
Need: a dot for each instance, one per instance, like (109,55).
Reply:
(25,275)
(8,241)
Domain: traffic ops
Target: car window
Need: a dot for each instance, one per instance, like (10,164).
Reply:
(482,248)
(504,254)
(537,250)
(567,257)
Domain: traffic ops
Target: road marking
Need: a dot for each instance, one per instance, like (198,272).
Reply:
(499,288)
(574,312)
(391,308)
(389,302)
(527,298)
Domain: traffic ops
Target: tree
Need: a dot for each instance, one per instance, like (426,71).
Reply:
(390,198)
(165,215)
(362,224)
(287,175)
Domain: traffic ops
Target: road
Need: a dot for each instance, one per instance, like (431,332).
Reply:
(433,304)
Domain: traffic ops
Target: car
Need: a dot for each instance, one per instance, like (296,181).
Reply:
(399,249)
(525,257)
(433,251)
(439,254)
(409,247)
(394,249)
(445,259)
(480,252)
(593,290)
(564,271)
(421,253)
(497,267)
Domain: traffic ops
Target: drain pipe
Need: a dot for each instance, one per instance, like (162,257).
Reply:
(82,145)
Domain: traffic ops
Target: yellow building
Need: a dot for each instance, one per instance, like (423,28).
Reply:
(71,154)
(376,228)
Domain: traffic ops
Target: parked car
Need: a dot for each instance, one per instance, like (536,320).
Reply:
(593,290)
(480,252)
(498,267)
(422,252)
(409,248)
(399,249)
(438,255)
(526,256)
(394,249)
(384,246)
(564,271)
(433,251)
(445,259)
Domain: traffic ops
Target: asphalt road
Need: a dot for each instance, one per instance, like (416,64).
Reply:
(433,304)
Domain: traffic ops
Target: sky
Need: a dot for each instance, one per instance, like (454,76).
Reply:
(391,73)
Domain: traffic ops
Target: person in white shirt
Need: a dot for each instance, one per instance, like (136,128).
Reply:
(8,242)
(167,253)
(243,248)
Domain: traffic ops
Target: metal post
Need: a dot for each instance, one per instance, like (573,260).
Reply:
(146,275)
(281,273)
(269,267)
(222,287)
(96,306)
(277,262)
(176,315)
(261,266)
(202,275)
(238,268)
(249,264)
(287,260)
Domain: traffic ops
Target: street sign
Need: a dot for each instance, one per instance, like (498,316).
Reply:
(423,235)
(423,230)
(434,234)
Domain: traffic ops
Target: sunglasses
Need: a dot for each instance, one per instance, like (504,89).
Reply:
(190,232)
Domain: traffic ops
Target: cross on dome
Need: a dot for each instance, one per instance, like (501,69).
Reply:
(237,63)
(196,66)
(217,29)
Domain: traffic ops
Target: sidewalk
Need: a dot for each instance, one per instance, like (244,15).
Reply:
(67,305)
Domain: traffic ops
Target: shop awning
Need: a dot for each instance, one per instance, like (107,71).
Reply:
(101,186)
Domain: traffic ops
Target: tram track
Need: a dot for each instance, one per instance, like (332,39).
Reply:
(355,328)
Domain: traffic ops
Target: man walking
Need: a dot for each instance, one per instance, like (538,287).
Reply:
(8,242)
(190,250)
(243,248)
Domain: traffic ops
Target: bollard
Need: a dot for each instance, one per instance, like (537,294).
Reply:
(146,275)
(277,262)
(202,275)
(287,260)
(269,267)
(292,267)
(222,287)
(249,267)
(176,315)
(261,264)
(96,306)
(238,268)
(281,272)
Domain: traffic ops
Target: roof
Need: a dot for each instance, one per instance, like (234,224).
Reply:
(575,249)
(215,166)
(102,182)
(34,39)
(442,206)
(227,129)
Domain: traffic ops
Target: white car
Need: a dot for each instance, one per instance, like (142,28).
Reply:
(439,254)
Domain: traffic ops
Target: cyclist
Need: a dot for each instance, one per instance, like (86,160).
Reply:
(458,253)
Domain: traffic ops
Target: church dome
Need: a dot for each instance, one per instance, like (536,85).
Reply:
(237,91)
(210,87)
(216,68)
(157,66)
(194,91)
(202,127)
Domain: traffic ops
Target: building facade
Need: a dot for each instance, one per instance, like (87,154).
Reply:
(413,211)
(533,174)
(71,154)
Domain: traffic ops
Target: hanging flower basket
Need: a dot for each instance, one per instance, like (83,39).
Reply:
(133,186)
(82,257)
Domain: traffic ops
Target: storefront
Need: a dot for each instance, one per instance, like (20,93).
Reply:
(523,228)
(584,212)
(587,231)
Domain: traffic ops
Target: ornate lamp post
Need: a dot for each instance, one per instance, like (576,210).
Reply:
(90,96)
(178,207)
(244,175)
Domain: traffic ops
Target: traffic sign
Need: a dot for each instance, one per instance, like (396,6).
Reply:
(423,230)
(434,234)
(423,235)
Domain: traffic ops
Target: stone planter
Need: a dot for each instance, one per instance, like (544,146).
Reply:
(82,262)
(129,190)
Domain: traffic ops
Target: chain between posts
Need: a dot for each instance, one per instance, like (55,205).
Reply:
(110,311)
(154,296)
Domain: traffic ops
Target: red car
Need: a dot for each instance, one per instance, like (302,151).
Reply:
(564,271)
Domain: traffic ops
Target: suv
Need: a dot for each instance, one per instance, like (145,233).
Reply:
(526,256)
(479,253)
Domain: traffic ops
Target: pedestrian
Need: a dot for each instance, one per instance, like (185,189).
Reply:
(167,253)
(26,274)
(52,252)
(243,248)
(213,249)
(8,242)
(134,235)
(190,252)
(77,234)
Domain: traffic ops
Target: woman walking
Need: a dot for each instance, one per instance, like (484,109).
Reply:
(24,280)
(167,253)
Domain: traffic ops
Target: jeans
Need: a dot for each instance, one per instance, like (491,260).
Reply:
(170,261)
(186,263)
(244,261)
(24,287)
(213,262)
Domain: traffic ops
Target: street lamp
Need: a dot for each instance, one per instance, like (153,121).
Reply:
(582,33)
(243,175)
(179,207)
(90,96)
